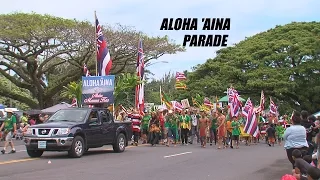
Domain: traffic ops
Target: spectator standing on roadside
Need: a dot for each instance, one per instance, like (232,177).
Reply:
(10,128)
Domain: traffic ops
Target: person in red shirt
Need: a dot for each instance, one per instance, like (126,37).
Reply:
(160,117)
(136,123)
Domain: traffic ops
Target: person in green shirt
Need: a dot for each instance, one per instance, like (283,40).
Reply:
(171,123)
(145,126)
(24,120)
(10,128)
(185,126)
(213,128)
(279,132)
(235,131)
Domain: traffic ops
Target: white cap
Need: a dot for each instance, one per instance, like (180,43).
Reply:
(170,111)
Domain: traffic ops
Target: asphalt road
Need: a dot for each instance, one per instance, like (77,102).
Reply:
(255,162)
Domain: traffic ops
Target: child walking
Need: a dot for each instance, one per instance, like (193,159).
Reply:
(235,131)
(279,133)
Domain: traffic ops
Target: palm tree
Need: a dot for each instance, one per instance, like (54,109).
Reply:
(73,90)
(124,89)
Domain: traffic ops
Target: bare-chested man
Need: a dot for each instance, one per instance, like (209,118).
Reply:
(221,127)
(203,125)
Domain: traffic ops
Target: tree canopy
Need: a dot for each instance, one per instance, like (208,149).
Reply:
(283,61)
(46,53)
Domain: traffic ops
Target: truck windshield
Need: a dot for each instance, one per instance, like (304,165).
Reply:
(72,115)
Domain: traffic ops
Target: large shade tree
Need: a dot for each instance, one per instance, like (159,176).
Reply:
(46,53)
(283,61)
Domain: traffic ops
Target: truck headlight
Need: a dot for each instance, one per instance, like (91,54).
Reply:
(29,131)
(63,131)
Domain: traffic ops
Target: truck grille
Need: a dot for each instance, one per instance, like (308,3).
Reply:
(43,131)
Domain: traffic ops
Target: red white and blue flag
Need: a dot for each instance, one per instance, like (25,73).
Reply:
(234,102)
(177,105)
(207,102)
(104,62)
(251,126)
(86,71)
(273,108)
(262,101)
(139,100)
(180,76)
(74,102)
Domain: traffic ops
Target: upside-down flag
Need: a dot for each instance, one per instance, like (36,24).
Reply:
(104,62)
(86,71)
(233,102)
(140,73)
(180,76)
(261,106)
(74,102)
(180,81)
(207,102)
(177,105)
(251,126)
(273,108)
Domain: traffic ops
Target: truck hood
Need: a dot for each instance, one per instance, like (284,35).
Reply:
(55,125)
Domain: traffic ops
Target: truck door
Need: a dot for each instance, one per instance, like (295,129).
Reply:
(108,126)
(94,129)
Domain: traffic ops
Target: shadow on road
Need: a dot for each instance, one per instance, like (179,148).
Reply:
(276,170)
(63,155)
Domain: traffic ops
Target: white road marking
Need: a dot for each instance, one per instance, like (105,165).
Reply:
(21,151)
(173,155)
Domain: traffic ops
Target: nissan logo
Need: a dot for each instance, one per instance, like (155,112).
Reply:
(43,131)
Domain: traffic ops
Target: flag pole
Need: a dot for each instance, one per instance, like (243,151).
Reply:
(95,42)
(161,102)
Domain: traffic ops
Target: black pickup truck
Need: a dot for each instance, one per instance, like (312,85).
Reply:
(76,130)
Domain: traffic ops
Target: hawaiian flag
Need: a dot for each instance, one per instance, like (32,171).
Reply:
(123,109)
(207,102)
(180,76)
(273,108)
(74,102)
(234,102)
(251,126)
(262,101)
(177,105)
(104,61)
(247,107)
(139,99)
(86,71)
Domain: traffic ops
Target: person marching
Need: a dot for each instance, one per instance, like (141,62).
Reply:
(171,124)
(136,122)
(213,128)
(145,126)
(235,131)
(203,125)
(194,126)
(185,125)
(221,127)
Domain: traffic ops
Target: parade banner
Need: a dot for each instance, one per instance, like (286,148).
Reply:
(185,103)
(98,89)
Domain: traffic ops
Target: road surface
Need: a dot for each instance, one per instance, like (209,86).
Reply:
(255,162)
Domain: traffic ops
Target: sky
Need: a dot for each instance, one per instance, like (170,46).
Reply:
(248,17)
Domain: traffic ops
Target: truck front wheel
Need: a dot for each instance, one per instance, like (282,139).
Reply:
(120,144)
(35,153)
(77,148)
